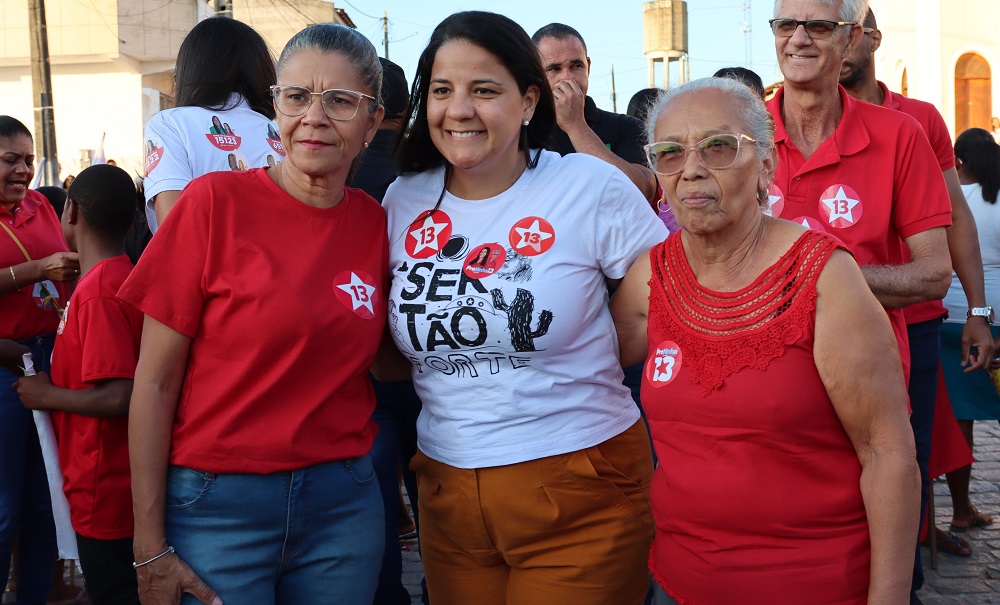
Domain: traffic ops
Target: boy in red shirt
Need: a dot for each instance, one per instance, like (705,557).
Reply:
(93,364)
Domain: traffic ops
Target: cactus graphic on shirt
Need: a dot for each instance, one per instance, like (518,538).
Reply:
(519,316)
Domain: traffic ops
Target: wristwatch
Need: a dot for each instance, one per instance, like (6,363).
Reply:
(984,312)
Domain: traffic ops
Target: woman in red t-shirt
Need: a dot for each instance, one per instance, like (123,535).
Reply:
(34,266)
(250,422)
(773,385)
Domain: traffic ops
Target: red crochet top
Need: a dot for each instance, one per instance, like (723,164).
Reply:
(756,497)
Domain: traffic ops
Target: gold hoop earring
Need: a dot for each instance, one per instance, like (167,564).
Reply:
(660,204)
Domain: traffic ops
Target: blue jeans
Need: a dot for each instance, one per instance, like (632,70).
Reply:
(25,503)
(313,535)
(925,358)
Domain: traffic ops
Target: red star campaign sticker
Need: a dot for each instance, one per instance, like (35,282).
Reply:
(532,236)
(775,202)
(428,234)
(810,223)
(840,206)
(153,156)
(356,291)
(663,364)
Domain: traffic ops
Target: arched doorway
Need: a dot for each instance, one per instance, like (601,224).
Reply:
(973,99)
(904,84)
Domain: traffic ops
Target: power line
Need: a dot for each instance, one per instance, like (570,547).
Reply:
(360,11)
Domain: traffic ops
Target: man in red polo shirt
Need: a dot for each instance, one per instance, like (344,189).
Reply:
(863,173)
(924,319)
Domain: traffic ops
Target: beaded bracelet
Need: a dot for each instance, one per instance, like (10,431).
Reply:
(169,550)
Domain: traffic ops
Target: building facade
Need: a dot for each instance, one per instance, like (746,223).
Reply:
(112,63)
(943,52)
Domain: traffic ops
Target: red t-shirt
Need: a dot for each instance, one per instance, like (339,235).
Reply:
(933,125)
(36,225)
(757,497)
(97,339)
(285,305)
(873,183)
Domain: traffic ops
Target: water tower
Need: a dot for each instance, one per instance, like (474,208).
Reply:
(665,38)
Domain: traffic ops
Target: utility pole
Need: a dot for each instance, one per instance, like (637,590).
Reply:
(614,97)
(41,85)
(747,38)
(385,32)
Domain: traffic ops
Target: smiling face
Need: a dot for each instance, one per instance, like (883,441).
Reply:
(17,168)
(474,114)
(316,145)
(809,62)
(706,201)
(565,59)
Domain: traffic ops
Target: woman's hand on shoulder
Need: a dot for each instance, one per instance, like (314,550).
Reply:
(61,266)
(164,582)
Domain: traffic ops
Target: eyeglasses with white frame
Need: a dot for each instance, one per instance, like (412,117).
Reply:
(717,151)
(338,104)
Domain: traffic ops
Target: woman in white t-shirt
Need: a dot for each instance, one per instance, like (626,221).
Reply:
(973,395)
(533,465)
(223,118)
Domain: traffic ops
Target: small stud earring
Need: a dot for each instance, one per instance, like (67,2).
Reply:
(366,144)
(525,122)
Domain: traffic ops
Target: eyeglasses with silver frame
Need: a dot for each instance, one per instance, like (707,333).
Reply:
(717,151)
(338,104)
(817,29)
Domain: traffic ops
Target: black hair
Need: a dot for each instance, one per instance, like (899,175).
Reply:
(56,197)
(105,195)
(559,31)
(509,43)
(641,102)
(221,56)
(980,155)
(743,75)
(11,127)
(870,19)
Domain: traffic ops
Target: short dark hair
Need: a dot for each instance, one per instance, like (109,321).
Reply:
(641,102)
(105,195)
(509,43)
(744,75)
(870,19)
(979,154)
(559,31)
(395,90)
(10,127)
(56,197)
(221,56)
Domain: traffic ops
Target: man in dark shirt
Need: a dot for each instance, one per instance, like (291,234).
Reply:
(582,126)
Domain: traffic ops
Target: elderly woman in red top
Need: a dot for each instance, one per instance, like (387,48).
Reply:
(34,260)
(773,384)
(264,297)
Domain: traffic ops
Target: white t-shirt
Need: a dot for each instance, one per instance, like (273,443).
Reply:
(501,305)
(184,143)
(987,218)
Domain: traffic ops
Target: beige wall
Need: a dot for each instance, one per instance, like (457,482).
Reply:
(928,37)
(90,99)
(111,59)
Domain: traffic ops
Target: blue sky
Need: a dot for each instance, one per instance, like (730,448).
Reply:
(613,31)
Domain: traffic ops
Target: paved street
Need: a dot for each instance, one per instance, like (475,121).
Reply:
(956,581)
(975,579)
